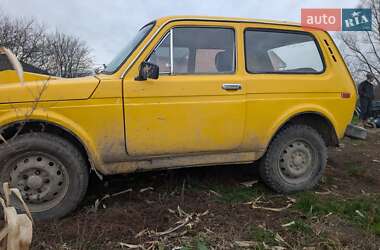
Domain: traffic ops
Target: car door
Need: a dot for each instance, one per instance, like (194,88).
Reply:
(285,74)
(198,102)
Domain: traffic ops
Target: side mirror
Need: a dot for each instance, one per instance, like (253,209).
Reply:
(148,70)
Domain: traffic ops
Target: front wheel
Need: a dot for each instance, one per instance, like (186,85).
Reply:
(49,171)
(295,160)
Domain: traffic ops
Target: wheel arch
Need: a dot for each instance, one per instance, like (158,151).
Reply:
(13,129)
(324,124)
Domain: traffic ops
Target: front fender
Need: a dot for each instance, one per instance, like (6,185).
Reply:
(15,115)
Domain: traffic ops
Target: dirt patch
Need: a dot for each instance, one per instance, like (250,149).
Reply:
(344,211)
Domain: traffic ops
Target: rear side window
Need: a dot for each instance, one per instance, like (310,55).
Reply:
(196,50)
(275,51)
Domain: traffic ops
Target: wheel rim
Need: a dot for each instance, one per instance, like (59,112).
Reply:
(41,178)
(296,161)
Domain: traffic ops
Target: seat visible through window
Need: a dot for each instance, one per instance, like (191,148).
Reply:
(224,61)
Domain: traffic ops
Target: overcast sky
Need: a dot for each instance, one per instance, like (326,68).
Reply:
(107,25)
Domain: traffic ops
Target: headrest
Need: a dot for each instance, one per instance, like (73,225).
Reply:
(223,61)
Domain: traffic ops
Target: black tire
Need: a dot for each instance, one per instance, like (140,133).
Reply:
(295,160)
(39,164)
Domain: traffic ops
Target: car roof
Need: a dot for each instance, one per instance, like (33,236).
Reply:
(224,19)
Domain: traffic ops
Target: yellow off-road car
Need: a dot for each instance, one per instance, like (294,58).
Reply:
(186,91)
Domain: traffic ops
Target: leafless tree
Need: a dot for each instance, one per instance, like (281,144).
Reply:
(362,49)
(68,56)
(57,53)
(25,38)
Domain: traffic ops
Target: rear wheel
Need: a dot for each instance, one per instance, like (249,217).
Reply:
(49,171)
(295,160)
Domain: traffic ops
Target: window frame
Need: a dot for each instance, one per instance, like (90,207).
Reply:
(171,48)
(273,30)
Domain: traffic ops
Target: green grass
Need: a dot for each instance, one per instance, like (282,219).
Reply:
(369,207)
(355,120)
(328,180)
(300,226)
(261,235)
(196,244)
(355,170)
(239,194)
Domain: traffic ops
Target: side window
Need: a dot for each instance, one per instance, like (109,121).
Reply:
(196,51)
(161,55)
(269,51)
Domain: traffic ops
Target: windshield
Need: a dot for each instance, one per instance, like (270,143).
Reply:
(127,51)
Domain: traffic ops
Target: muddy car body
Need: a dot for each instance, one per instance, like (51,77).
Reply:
(187,91)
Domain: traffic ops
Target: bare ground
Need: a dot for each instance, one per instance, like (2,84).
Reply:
(209,208)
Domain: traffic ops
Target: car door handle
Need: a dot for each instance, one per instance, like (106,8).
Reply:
(231,86)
